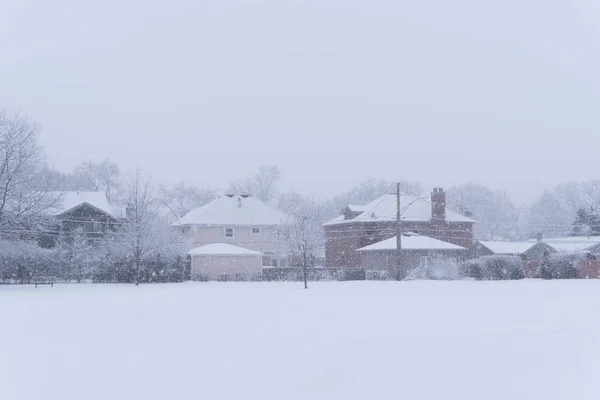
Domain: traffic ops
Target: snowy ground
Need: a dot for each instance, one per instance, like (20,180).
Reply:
(353,340)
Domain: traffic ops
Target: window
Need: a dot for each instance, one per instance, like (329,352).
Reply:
(185,229)
(256,231)
(228,232)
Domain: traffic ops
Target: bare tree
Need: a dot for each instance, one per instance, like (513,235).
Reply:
(550,216)
(24,178)
(554,212)
(262,185)
(495,213)
(265,180)
(181,199)
(304,236)
(98,176)
(371,189)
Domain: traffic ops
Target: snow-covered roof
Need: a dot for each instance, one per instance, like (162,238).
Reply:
(234,210)
(412,241)
(384,209)
(357,208)
(223,249)
(499,247)
(69,200)
(571,244)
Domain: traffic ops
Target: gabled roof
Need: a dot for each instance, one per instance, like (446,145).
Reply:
(70,200)
(234,210)
(499,247)
(223,249)
(412,241)
(571,244)
(384,209)
(356,208)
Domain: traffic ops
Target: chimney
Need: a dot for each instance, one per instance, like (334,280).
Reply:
(539,236)
(438,204)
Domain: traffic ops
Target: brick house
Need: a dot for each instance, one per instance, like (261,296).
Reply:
(361,226)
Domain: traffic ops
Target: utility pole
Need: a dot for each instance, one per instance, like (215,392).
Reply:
(398,233)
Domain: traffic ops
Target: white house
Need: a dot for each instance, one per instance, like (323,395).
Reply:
(239,220)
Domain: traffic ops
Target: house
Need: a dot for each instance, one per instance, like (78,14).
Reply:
(531,250)
(79,213)
(361,226)
(219,260)
(575,244)
(239,220)
(416,250)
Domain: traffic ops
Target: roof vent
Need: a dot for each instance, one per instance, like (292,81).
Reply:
(373,215)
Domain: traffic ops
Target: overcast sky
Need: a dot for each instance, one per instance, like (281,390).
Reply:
(504,93)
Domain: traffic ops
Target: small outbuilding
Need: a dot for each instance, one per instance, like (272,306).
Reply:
(224,261)
(417,251)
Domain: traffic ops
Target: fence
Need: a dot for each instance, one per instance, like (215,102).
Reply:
(313,274)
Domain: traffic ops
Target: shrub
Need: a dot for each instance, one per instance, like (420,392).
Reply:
(561,266)
(494,268)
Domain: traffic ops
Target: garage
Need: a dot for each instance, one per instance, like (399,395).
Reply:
(222,261)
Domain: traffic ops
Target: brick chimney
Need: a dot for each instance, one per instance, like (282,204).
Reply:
(438,204)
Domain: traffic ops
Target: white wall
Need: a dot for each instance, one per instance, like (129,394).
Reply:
(213,266)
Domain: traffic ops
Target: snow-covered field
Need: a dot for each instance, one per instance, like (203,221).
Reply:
(351,340)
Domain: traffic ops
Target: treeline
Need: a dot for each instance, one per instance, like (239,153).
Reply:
(22,261)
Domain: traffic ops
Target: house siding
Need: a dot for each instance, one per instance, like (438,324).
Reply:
(266,241)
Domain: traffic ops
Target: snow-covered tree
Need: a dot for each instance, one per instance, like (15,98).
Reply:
(180,199)
(587,223)
(496,215)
